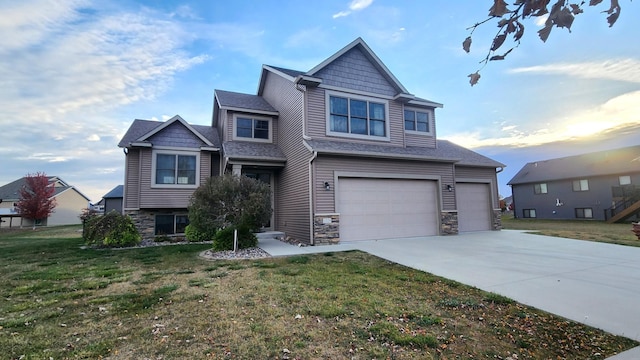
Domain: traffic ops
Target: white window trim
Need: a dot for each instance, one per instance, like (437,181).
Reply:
(240,138)
(327,106)
(627,180)
(174,186)
(430,119)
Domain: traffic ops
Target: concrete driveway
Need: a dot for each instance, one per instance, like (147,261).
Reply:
(593,283)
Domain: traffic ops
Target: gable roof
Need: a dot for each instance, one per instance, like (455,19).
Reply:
(141,130)
(310,77)
(246,150)
(116,192)
(610,162)
(11,191)
(445,151)
(229,100)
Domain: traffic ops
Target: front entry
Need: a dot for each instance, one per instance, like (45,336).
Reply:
(267,178)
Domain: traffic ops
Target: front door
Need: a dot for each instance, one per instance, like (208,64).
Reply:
(267,178)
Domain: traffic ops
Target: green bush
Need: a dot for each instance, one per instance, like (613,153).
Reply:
(230,201)
(194,235)
(111,230)
(223,239)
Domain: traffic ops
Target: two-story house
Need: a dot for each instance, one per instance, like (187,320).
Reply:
(603,185)
(348,152)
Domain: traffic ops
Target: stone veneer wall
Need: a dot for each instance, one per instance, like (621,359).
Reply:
(448,223)
(497,219)
(326,232)
(145,221)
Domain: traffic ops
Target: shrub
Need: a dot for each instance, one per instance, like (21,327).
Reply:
(111,230)
(230,201)
(195,235)
(223,239)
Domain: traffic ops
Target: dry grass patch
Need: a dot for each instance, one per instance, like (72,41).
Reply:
(165,302)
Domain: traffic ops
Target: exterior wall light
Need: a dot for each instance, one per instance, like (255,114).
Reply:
(449,188)
(327,186)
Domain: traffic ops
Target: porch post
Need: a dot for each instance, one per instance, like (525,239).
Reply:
(236,169)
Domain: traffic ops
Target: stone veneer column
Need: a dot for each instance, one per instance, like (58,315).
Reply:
(497,219)
(448,222)
(326,229)
(144,222)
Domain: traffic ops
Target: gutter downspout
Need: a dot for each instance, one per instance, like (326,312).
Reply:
(314,155)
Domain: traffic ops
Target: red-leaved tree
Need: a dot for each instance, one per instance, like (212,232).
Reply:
(36,198)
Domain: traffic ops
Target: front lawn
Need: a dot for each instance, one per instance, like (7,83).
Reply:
(591,230)
(60,301)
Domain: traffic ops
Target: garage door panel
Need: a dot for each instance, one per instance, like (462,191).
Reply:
(386,208)
(474,206)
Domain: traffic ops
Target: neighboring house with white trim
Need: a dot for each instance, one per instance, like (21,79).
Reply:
(349,153)
(69,204)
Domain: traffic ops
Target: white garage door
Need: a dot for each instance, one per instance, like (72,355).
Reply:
(474,206)
(386,208)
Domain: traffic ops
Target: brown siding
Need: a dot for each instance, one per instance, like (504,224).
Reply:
(326,165)
(132,179)
(291,193)
(480,174)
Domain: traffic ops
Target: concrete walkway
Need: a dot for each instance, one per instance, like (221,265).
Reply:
(593,283)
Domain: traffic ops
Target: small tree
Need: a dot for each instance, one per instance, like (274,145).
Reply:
(36,198)
(230,202)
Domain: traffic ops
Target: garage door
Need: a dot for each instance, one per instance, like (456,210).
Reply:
(386,208)
(474,206)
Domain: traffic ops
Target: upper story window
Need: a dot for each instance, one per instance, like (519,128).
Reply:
(581,185)
(416,120)
(175,169)
(359,117)
(624,180)
(540,188)
(252,128)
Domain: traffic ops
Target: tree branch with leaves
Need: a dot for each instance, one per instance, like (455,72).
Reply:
(510,23)
(36,198)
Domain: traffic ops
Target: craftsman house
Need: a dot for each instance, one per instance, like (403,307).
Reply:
(602,185)
(69,204)
(349,153)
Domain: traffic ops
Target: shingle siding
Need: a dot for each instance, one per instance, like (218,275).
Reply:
(292,200)
(176,135)
(354,71)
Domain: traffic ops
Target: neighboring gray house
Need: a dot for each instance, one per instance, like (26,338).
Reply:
(602,185)
(69,204)
(349,153)
(113,199)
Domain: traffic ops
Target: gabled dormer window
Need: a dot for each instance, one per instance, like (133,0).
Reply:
(357,116)
(417,120)
(252,128)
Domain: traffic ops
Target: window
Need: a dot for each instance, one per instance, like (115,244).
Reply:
(624,180)
(171,224)
(253,128)
(357,117)
(581,185)
(540,188)
(173,169)
(584,213)
(529,213)
(415,120)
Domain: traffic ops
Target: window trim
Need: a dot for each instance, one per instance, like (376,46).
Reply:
(584,216)
(175,224)
(430,117)
(579,182)
(254,118)
(154,161)
(368,99)
(537,189)
(625,177)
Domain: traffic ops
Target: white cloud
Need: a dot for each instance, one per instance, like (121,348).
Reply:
(620,70)
(355,5)
(93,137)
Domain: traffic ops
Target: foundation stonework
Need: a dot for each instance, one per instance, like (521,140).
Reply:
(145,221)
(497,219)
(448,223)
(326,229)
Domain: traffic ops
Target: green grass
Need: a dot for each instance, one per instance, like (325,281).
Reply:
(589,230)
(60,301)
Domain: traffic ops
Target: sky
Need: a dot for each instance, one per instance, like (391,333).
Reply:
(74,74)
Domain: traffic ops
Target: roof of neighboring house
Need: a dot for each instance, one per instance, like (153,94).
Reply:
(11,191)
(116,192)
(244,150)
(610,162)
(140,130)
(445,151)
(238,101)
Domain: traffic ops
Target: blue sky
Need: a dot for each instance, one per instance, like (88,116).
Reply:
(74,74)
